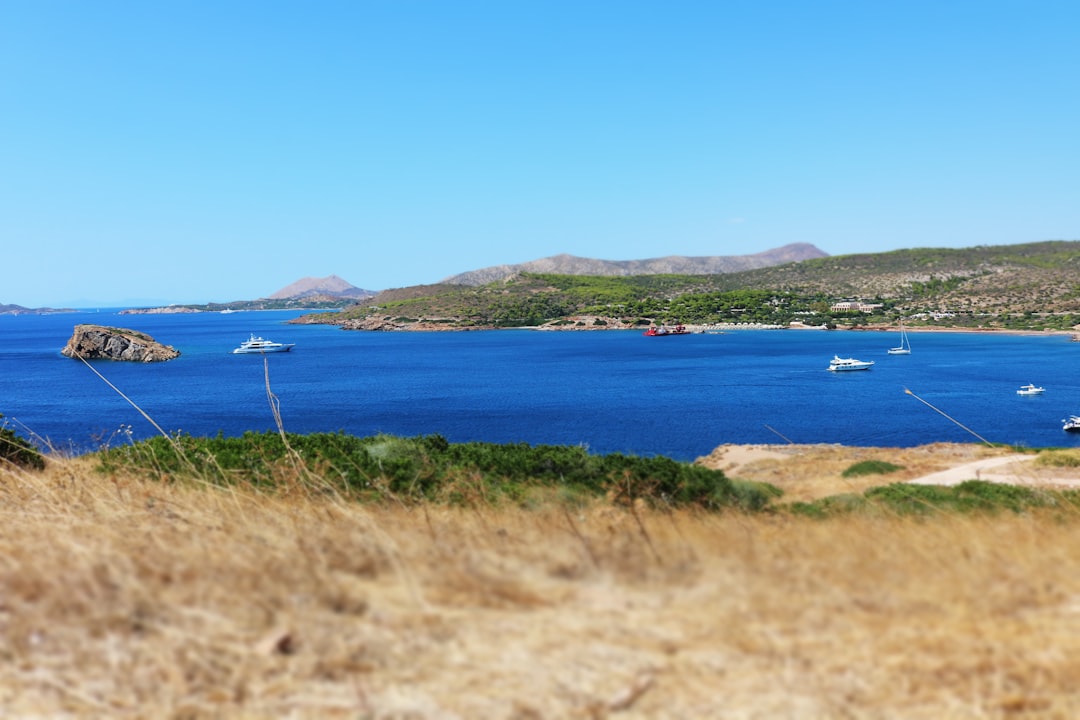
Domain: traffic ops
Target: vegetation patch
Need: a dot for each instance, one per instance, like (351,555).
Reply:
(17,450)
(834,505)
(431,469)
(971,497)
(870,467)
(1058,458)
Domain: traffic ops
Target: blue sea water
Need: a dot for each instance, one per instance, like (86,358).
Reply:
(611,391)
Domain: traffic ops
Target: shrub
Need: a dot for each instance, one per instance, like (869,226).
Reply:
(870,467)
(754,496)
(18,451)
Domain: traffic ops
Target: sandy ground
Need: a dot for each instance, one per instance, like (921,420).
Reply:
(808,472)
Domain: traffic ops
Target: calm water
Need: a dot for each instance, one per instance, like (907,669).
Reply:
(609,391)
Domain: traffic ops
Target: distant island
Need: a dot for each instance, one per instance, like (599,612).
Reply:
(307,293)
(239,305)
(20,310)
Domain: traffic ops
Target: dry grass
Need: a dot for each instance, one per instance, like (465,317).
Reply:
(123,598)
(810,472)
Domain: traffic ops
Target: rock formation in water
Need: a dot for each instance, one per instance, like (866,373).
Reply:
(94,342)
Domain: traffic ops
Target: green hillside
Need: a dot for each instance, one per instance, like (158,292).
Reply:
(1030,286)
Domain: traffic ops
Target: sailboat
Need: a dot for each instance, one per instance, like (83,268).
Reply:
(905,345)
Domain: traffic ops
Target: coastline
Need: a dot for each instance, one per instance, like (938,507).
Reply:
(591,323)
(997,331)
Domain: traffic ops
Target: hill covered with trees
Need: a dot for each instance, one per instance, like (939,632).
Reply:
(1031,286)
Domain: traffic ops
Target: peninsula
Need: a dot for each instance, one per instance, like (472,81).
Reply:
(1028,287)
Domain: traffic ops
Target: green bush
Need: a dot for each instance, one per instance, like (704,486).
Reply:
(972,496)
(870,467)
(754,496)
(431,468)
(18,451)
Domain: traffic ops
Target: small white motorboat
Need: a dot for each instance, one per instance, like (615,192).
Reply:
(1030,389)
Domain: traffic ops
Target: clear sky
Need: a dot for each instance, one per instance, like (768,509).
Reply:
(214,150)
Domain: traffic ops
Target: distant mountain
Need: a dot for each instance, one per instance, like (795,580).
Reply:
(329,286)
(308,292)
(672,264)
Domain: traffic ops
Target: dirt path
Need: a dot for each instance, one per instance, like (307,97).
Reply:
(1016,468)
(1010,469)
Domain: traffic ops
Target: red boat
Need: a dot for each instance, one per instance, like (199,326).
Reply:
(664,331)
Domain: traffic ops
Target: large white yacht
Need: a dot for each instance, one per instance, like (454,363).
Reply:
(840,364)
(262,345)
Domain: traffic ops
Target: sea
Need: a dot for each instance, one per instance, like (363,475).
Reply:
(607,391)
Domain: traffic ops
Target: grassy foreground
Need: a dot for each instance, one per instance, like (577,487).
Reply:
(128,594)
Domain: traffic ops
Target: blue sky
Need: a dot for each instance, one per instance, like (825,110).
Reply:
(198,151)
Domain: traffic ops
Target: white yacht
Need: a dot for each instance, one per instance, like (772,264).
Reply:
(1030,389)
(840,364)
(1072,424)
(262,345)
